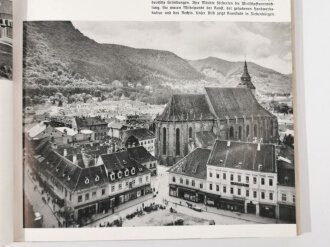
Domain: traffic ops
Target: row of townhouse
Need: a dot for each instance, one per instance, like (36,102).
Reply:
(234,176)
(111,181)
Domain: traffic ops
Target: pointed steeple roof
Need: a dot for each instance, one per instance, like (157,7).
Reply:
(246,78)
(245,75)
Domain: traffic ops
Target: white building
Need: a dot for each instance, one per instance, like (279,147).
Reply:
(234,176)
(142,137)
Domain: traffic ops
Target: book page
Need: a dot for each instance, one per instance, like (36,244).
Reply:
(153,114)
(6,127)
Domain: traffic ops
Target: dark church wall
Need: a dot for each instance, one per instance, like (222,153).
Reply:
(177,131)
(247,129)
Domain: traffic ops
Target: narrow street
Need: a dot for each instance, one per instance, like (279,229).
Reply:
(38,205)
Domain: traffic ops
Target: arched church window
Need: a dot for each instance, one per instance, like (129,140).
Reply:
(231,132)
(190,132)
(164,141)
(247,130)
(177,142)
(255,130)
(240,132)
(271,127)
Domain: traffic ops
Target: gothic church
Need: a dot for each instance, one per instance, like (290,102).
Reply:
(225,113)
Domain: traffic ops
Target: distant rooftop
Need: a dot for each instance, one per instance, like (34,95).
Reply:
(141,134)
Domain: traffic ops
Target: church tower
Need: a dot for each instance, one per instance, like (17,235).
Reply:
(246,80)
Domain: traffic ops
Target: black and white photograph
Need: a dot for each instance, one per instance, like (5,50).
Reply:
(6,39)
(134,123)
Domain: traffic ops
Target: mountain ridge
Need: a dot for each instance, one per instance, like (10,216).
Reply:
(60,58)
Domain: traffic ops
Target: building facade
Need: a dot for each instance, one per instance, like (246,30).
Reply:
(286,190)
(141,155)
(87,186)
(235,176)
(139,136)
(96,124)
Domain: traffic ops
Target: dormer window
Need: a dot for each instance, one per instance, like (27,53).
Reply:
(69,178)
(112,176)
(126,173)
(140,169)
(133,171)
(124,162)
(97,178)
(119,174)
(86,180)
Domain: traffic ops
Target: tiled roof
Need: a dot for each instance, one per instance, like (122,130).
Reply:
(192,165)
(89,121)
(231,102)
(67,130)
(141,134)
(140,154)
(186,107)
(115,125)
(37,129)
(120,161)
(71,175)
(206,138)
(242,155)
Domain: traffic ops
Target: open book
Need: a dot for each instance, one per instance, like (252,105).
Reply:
(147,120)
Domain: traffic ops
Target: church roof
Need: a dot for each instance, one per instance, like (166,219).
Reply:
(206,138)
(231,102)
(244,156)
(186,107)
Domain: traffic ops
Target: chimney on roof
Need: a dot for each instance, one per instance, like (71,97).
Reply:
(258,148)
(259,167)
(228,143)
(85,158)
(65,152)
(109,151)
(74,158)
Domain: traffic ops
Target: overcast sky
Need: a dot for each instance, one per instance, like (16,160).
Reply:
(267,44)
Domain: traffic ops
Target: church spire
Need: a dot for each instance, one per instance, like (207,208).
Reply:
(246,79)
(245,76)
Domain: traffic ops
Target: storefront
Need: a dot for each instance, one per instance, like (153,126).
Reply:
(187,194)
(267,210)
(287,213)
(236,205)
(212,200)
(87,211)
(251,208)
(103,206)
(173,191)
(128,196)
